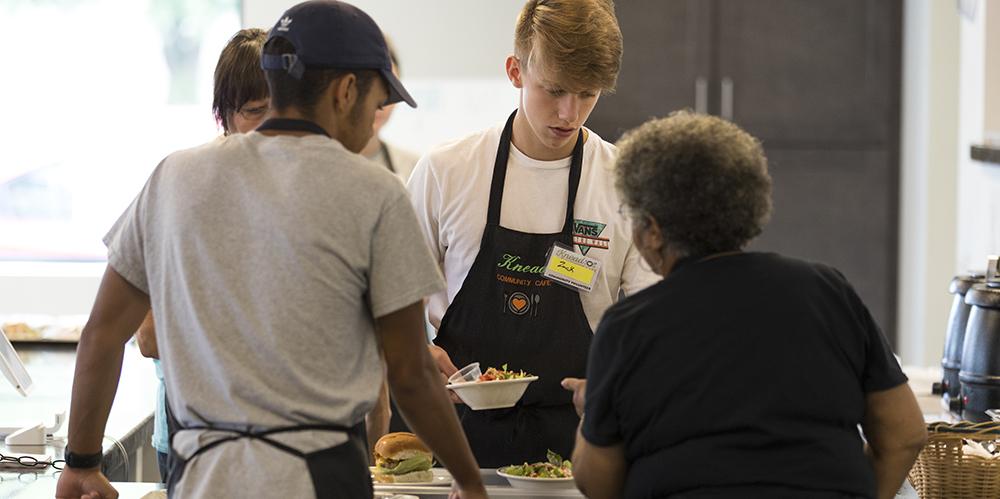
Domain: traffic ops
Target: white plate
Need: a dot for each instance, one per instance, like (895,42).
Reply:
(479,395)
(529,483)
(441,477)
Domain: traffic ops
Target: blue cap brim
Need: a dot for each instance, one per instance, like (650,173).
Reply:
(397,92)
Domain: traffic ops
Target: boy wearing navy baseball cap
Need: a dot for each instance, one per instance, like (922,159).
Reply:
(281,268)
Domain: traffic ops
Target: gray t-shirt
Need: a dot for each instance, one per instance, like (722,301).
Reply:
(266,260)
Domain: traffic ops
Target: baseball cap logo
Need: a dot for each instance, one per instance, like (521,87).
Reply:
(284,23)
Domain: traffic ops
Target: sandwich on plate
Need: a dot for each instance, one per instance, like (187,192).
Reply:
(402,458)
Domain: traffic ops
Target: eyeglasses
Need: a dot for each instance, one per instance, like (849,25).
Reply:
(30,462)
(253,113)
(625,212)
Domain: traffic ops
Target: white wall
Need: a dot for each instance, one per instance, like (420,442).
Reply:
(950,204)
(991,18)
(436,39)
(928,176)
(979,183)
(451,54)
(48,288)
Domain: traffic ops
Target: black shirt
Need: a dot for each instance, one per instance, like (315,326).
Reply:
(742,370)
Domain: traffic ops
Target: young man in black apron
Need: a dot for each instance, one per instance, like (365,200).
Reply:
(278,267)
(495,203)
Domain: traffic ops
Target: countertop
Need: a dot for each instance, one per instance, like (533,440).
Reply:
(130,422)
(51,368)
(496,486)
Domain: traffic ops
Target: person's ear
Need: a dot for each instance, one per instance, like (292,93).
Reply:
(514,71)
(345,93)
(650,235)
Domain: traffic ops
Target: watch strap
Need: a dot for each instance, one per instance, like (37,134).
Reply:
(74,460)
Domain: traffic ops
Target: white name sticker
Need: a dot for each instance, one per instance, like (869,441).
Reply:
(571,269)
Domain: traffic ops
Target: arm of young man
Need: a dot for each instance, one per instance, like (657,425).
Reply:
(895,430)
(420,397)
(377,420)
(118,311)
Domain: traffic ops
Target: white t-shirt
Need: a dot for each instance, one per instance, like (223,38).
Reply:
(267,260)
(450,189)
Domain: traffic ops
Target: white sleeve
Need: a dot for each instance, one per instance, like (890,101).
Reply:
(425,194)
(636,275)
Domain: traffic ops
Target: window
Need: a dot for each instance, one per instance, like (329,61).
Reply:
(96,93)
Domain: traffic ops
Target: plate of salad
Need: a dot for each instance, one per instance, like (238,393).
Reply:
(493,389)
(555,473)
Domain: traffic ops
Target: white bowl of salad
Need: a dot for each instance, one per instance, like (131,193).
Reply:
(494,389)
(557,473)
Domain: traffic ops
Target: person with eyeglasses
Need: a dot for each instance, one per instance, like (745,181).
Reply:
(741,374)
(240,100)
(285,285)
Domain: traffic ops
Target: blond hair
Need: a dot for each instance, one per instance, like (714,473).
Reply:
(577,43)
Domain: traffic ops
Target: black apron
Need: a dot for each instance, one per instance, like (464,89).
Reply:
(340,471)
(507,313)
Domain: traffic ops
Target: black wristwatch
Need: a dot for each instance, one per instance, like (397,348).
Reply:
(74,460)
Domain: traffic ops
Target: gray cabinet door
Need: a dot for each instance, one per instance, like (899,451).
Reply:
(809,72)
(834,207)
(667,45)
(818,82)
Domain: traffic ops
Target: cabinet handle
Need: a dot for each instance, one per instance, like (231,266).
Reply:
(701,95)
(726,108)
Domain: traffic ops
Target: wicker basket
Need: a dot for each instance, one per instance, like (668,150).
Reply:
(942,471)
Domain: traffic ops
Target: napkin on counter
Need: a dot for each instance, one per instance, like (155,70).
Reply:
(971,448)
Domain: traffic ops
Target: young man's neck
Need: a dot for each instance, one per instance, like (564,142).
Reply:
(294,114)
(524,140)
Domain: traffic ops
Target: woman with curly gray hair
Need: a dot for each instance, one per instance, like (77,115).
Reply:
(741,374)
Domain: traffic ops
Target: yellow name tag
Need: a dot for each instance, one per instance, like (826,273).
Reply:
(571,269)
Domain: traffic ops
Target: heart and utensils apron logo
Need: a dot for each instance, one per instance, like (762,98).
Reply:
(518,303)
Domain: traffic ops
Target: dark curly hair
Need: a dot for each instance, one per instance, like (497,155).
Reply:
(702,179)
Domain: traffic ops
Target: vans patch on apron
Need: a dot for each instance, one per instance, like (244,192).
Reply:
(587,235)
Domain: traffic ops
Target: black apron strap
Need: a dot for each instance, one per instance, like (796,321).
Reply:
(338,471)
(500,173)
(292,125)
(575,169)
(500,176)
